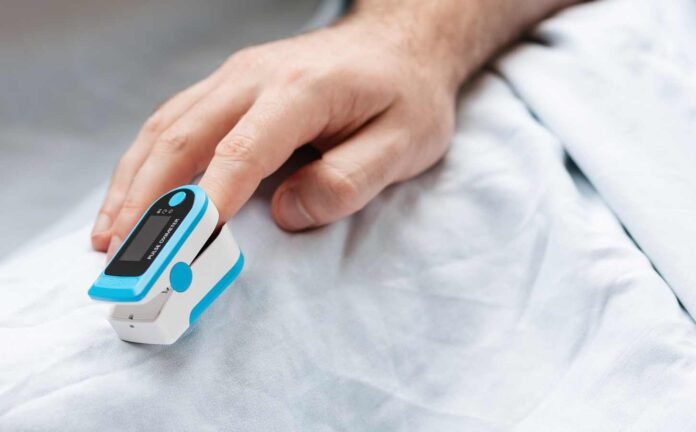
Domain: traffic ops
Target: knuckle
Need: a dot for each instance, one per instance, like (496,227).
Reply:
(105,211)
(388,164)
(239,148)
(130,205)
(235,147)
(173,142)
(130,211)
(318,83)
(245,57)
(342,186)
(310,78)
(111,206)
(126,162)
(154,124)
(296,74)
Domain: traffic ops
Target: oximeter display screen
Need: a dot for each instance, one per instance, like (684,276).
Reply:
(140,244)
(151,235)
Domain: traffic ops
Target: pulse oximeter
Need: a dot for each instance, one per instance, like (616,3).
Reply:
(172,266)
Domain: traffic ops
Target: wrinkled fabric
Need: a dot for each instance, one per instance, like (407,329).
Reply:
(499,291)
(616,81)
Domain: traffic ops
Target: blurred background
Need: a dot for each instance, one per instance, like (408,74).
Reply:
(78,78)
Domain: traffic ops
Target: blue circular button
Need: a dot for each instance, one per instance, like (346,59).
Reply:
(177,198)
(180,277)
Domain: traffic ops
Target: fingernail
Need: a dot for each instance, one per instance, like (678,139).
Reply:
(292,212)
(113,247)
(102,224)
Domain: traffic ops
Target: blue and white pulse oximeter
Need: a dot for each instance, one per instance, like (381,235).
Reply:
(171,267)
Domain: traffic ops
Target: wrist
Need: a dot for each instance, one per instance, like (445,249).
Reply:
(453,37)
(416,41)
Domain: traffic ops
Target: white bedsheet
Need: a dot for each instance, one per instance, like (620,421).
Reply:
(496,292)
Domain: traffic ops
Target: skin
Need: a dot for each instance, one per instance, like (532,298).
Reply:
(375,93)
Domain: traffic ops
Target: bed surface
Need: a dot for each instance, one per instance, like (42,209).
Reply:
(536,279)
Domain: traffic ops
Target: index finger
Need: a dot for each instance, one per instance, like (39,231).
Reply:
(132,161)
(278,123)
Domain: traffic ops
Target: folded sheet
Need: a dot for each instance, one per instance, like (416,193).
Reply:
(616,82)
(497,292)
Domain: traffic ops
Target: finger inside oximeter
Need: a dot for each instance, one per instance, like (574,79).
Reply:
(169,269)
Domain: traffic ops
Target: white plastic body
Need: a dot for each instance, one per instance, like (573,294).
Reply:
(162,316)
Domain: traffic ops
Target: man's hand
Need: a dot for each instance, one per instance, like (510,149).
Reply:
(375,93)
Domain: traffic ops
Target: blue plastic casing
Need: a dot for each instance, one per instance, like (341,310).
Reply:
(124,289)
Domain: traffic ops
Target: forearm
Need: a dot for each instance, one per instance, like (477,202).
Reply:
(461,35)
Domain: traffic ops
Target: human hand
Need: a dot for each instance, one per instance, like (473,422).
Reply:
(371,100)
(375,93)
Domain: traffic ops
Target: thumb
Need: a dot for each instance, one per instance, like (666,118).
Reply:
(340,183)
